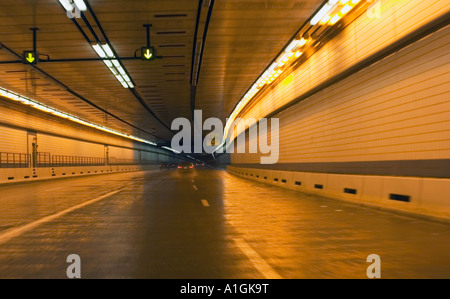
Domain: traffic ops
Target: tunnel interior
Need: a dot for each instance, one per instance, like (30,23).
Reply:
(213,139)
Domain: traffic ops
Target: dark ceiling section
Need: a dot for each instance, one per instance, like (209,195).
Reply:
(211,52)
(204,13)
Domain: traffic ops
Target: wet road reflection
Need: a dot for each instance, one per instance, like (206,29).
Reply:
(205,224)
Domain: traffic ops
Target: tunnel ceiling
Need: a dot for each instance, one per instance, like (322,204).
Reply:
(242,37)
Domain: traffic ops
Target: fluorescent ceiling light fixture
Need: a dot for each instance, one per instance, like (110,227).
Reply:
(295,44)
(116,63)
(108,50)
(121,71)
(66,4)
(292,45)
(333,11)
(108,63)
(80,4)
(119,77)
(99,50)
(346,9)
(325,19)
(302,42)
(321,13)
(334,19)
(171,149)
(105,51)
(27,101)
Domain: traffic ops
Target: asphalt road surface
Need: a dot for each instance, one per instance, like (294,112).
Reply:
(205,224)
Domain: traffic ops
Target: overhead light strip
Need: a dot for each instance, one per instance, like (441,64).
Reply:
(32,103)
(292,52)
(104,51)
(332,11)
(70,5)
(171,149)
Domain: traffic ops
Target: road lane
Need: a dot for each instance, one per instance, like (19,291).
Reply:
(158,226)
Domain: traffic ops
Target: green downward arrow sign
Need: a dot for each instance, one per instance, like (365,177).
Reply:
(148,54)
(30,58)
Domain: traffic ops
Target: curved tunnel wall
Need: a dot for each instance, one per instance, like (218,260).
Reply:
(380,136)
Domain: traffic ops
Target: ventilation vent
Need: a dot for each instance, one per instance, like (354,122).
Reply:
(172,15)
(350,191)
(400,197)
(317,186)
(171,32)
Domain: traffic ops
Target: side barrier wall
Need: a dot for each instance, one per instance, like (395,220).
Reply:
(427,197)
(18,175)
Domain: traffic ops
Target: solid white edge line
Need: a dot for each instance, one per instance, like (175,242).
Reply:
(17,231)
(260,264)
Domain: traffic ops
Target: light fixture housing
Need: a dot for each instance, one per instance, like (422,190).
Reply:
(105,52)
(332,11)
(66,4)
(80,5)
(70,5)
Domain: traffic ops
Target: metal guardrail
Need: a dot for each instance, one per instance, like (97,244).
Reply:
(13,160)
(39,160)
(69,161)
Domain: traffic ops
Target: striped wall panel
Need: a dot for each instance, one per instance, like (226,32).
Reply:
(69,147)
(396,109)
(13,140)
